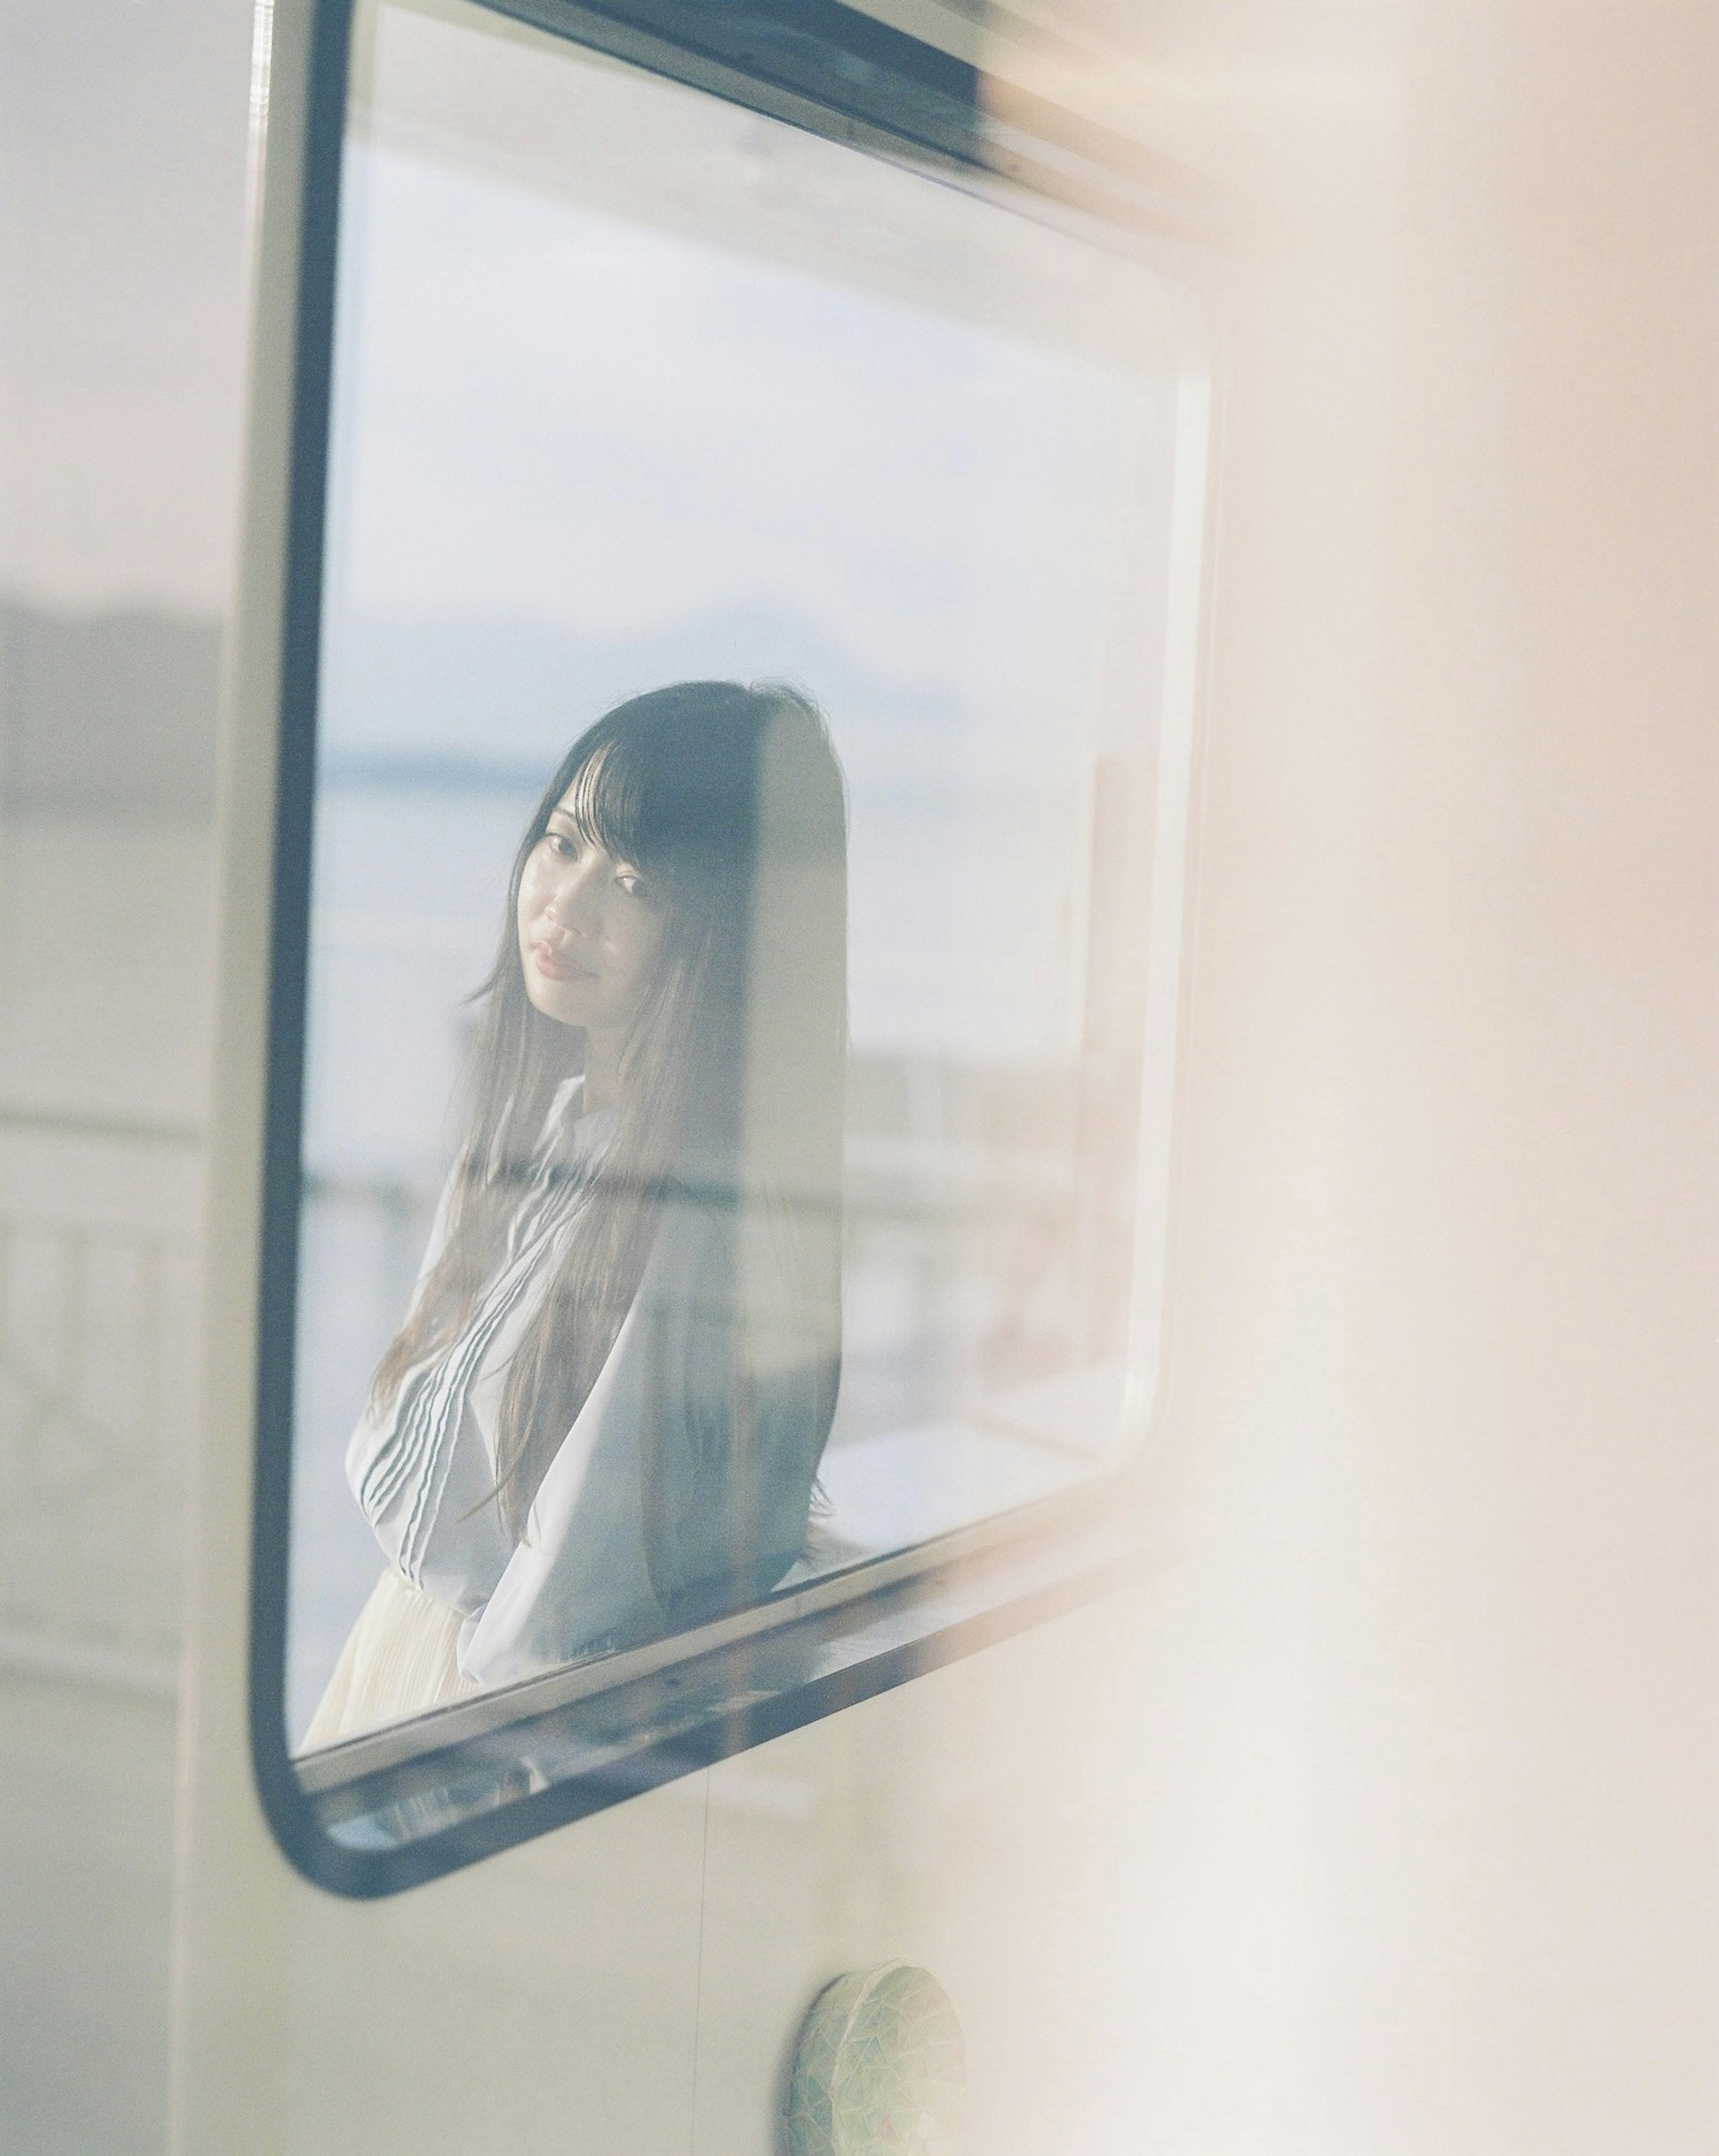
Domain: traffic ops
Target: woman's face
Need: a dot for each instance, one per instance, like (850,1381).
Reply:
(590,928)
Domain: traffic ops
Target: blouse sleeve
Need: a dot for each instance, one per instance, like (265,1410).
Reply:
(423,1478)
(684,1487)
(377,1437)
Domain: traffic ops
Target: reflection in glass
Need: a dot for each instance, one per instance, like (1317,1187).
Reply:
(633,387)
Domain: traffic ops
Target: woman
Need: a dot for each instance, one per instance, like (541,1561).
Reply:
(603,1414)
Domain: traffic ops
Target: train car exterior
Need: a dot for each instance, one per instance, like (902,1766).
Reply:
(1240,485)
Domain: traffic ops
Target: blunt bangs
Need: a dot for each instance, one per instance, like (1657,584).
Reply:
(669,781)
(605,800)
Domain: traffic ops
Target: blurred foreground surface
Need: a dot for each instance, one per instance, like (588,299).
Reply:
(122,134)
(86,1837)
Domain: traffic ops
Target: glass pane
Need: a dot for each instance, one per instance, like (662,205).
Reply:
(636,390)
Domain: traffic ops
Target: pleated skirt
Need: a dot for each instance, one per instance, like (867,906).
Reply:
(400,1659)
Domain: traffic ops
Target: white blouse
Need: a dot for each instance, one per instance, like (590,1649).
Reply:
(588,1571)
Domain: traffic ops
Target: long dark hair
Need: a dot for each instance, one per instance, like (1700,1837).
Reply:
(729,801)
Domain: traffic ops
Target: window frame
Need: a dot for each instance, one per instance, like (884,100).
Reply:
(647,1715)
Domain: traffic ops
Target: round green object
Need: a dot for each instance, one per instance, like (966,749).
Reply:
(878,2069)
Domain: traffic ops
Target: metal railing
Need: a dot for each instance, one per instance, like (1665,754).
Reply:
(99,1306)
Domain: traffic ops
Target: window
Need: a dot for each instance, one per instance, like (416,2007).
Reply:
(725,1232)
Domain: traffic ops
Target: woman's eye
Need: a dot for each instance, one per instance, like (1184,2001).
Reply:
(564,847)
(632,885)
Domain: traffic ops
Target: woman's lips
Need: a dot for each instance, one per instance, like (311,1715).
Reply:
(560,965)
